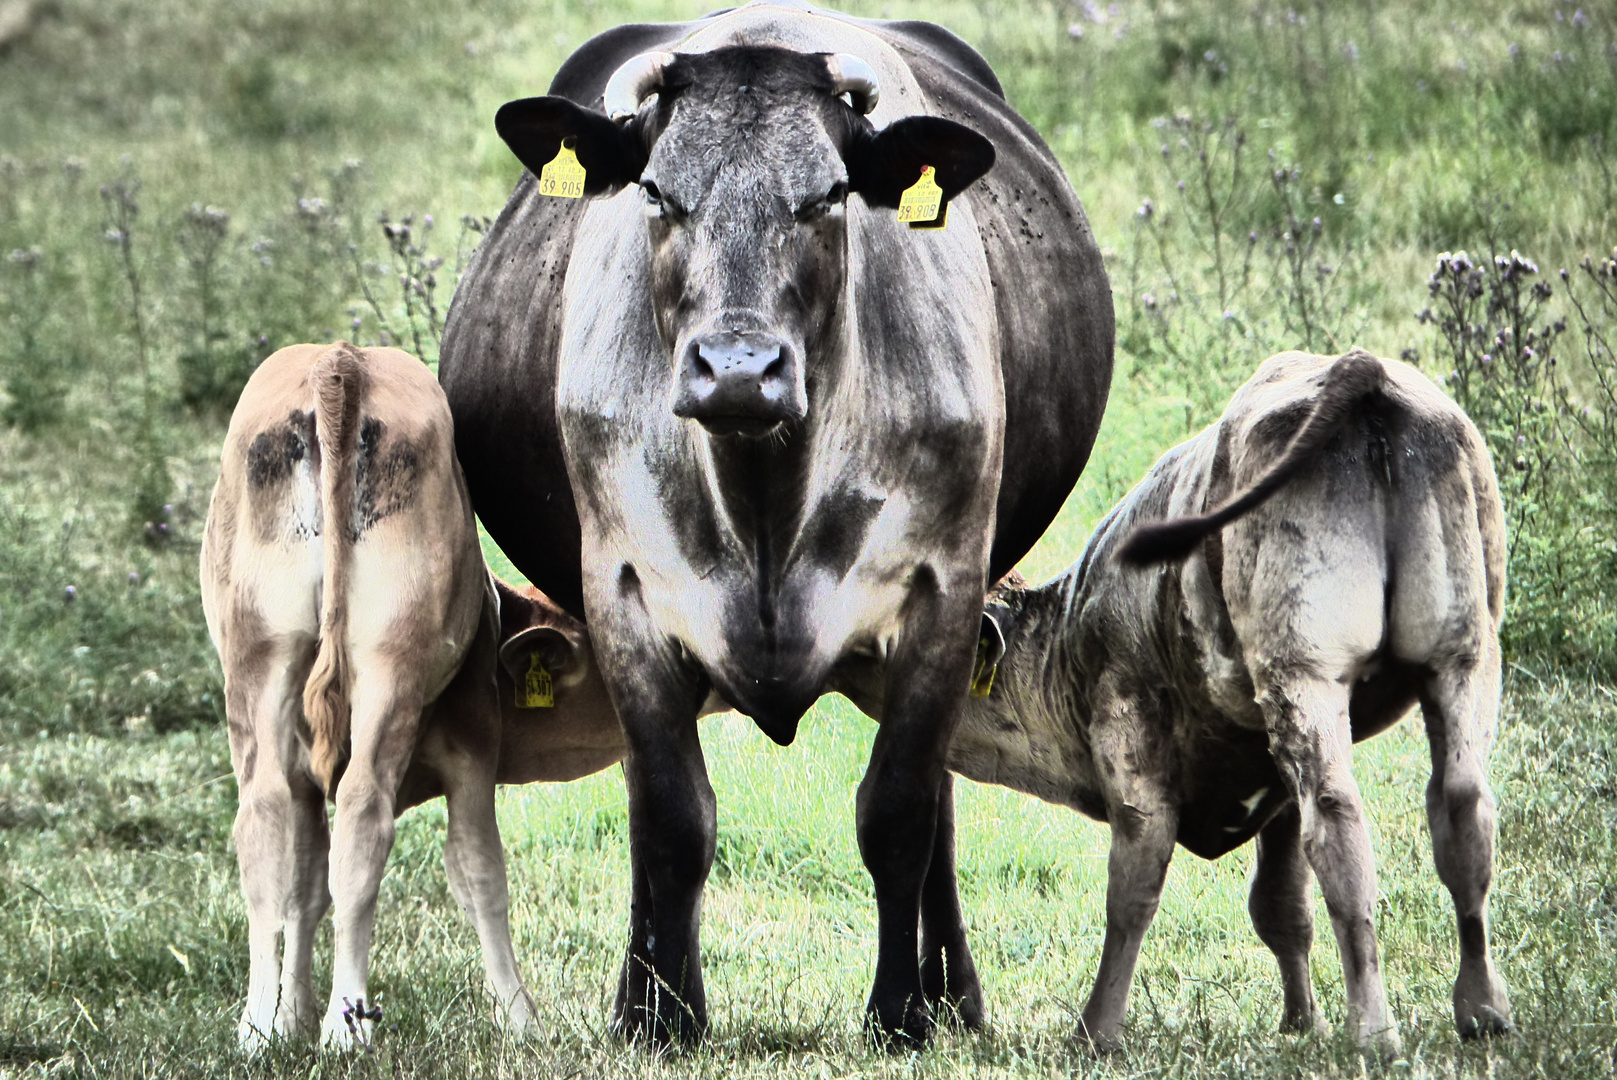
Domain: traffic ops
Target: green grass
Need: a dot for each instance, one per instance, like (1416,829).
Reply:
(125,934)
(122,935)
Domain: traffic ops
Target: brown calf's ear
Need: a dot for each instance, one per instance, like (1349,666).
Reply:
(612,154)
(565,655)
(882,164)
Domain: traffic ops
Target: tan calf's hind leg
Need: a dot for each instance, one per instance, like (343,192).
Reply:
(1310,737)
(1461,707)
(385,718)
(1144,823)
(307,901)
(275,835)
(1282,912)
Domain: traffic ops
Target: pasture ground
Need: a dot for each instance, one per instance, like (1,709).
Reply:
(125,942)
(1259,176)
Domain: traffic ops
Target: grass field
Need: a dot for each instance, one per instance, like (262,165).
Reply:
(187,185)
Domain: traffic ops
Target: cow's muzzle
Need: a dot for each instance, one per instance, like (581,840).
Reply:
(740,383)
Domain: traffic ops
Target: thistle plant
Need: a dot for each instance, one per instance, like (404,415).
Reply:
(152,481)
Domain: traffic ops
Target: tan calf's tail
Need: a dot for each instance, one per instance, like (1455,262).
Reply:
(338,380)
(1354,376)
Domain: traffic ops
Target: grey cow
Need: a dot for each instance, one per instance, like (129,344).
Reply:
(769,439)
(1216,699)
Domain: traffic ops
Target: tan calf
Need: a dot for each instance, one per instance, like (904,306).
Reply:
(364,660)
(1359,571)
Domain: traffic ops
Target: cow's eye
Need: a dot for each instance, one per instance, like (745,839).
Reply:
(814,208)
(654,195)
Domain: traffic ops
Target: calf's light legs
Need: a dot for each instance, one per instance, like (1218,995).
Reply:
(386,714)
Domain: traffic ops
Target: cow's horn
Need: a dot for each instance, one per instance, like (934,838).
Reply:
(852,76)
(633,82)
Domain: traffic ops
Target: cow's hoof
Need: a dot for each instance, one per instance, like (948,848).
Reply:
(1311,1023)
(639,1025)
(252,1039)
(958,1001)
(349,1025)
(899,1030)
(1385,1045)
(519,1018)
(963,1012)
(1481,1006)
(1098,1041)
(1483,1022)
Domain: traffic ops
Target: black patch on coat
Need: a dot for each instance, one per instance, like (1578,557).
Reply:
(386,480)
(274,454)
(836,533)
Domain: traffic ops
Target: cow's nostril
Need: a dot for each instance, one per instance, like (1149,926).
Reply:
(702,369)
(776,368)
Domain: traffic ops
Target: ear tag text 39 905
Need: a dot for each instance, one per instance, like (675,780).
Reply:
(537,691)
(563,177)
(922,202)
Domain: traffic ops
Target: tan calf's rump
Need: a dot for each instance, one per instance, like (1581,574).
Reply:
(361,639)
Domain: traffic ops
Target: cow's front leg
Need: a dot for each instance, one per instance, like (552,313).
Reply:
(673,827)
(898,801)
(1461,708)
(1127,739)
(1311,739)
(948,974)
(1282,912)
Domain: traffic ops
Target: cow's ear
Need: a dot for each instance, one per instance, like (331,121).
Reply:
(882,164)
(612,154)
(564,654)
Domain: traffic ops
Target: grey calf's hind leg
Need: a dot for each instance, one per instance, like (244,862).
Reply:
(1461,708)
(948,974)
(1282,912)
(1311,738)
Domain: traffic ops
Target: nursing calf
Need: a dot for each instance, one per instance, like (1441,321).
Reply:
(1353,567)
(370,656)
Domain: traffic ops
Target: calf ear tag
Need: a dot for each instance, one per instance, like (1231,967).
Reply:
(982,672)
(563,177)
(537,691)
(922,203)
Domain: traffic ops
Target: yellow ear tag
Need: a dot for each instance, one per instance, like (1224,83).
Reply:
(564,176)
(922,201)
(982,673)
(537,691)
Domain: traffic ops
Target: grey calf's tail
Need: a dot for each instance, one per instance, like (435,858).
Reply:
(1354,376)
(338,380)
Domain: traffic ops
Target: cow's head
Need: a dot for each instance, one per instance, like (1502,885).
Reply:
(746,156)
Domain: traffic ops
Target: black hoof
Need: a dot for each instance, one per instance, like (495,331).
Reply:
(1487,1024)
(899,1030)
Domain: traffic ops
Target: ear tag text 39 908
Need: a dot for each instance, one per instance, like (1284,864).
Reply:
(563,177)
(982,672)
(922,202)
(537,691)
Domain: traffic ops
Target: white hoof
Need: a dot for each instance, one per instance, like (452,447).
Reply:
(350,1024)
